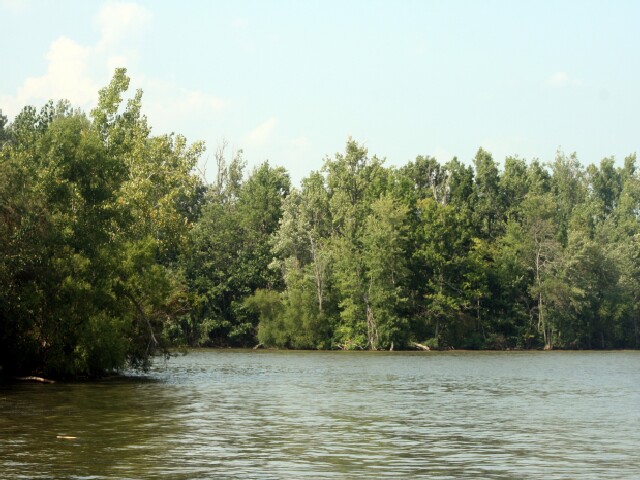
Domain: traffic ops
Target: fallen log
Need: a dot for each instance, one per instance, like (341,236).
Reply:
(34,379)
(419,346)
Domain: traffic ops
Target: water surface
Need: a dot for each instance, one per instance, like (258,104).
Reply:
(266,414)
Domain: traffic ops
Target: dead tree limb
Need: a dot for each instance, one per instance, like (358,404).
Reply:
(419,346)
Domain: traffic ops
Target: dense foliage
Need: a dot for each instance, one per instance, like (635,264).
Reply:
(530,256)
(112,248)
(94,212)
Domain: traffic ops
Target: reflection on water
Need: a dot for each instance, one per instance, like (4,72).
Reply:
(245,414)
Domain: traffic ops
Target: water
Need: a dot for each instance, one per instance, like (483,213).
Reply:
(270,415)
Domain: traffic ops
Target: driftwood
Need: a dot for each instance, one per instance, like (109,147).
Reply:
(260,345)
(34,379)
(66,437)
(419,346)
(348,346)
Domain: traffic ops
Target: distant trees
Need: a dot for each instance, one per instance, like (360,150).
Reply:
(531,256)
(112,248)
(228,253)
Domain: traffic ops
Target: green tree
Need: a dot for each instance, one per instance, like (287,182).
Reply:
(535,242)
(84,291)
(229,253)
(384,243)
(300,250)
(443,248)
(354,181)
(514,185)
(487,202)
(4,133)
(568,190)
(606,185)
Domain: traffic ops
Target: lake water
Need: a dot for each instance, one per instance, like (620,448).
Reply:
(271,414)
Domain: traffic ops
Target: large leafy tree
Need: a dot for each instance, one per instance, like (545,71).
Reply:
(488,205)
(301,253)
(444,244)
(384,244)
(90,224)
(354,181)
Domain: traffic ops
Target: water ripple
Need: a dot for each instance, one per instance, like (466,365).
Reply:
(272,415)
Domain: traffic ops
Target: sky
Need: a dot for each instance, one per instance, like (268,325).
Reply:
(292,81)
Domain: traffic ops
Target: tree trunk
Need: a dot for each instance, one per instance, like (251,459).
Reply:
(542,324)
(318,270)
(372,329)
(143,315)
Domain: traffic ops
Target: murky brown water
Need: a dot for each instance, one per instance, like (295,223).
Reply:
(245,414)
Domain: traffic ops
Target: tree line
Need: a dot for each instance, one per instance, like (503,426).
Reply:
(113,248)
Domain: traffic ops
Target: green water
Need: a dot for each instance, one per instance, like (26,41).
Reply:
(246,414)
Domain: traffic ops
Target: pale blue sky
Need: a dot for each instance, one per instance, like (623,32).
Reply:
(291,81)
